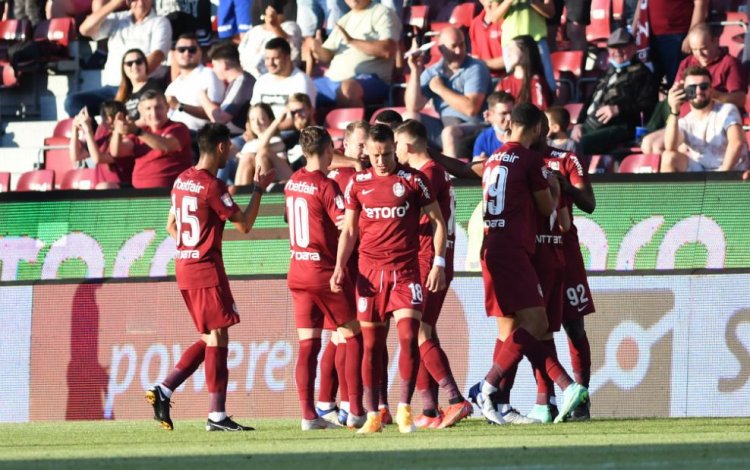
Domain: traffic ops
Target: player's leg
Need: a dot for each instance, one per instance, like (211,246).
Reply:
(383,408)
(407,322)
(580,358)
(373,340)
(354,345)
(340,365)
(217,378)
(545,389)
(326,406)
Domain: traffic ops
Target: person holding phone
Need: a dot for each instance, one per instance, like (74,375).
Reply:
(709,137)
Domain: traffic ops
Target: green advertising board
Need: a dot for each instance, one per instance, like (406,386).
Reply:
(642,225)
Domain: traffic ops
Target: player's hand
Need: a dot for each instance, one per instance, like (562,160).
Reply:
(262,180)
(606,113)
(436,279)
(337,280)
(340,222)
(554,184)
(563,181)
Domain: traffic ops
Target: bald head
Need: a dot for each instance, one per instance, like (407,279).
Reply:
(703,44)
(453,46)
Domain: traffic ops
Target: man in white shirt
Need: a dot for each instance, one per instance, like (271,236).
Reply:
(138,27)
(184,93)
(282,80)
(709,137)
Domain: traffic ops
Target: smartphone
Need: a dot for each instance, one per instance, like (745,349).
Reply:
(420,50)
(690,92)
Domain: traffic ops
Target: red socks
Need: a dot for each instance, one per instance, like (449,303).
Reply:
(426,385)
(189,362)
(217,376)
(353,374)
(408,361)
(328,376)
(305,375)
(384,371)
(544,386)
(434,359)
(580,358)
(372,365)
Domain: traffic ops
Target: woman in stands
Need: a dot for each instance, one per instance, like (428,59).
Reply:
(135,82)
(525,80)
(262,142)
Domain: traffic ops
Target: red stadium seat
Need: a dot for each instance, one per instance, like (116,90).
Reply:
(62,133)
(640,163)
(12,32)
(57,34)
(598,31)
(417,16)
(600,164)
(58,160)
(338,119)
(4,181)
(618,10)
(461,17)
(36,180)
(80,178)
(9,76)
(568,63)
(733,30)
(574,109)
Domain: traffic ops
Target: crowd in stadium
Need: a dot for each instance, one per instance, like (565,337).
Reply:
(670,100)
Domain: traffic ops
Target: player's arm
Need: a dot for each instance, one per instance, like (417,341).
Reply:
(172,225)
(436,278)
(347,239)
(546,199)
(459,169)
(342,161)
(244,220)
(582,193)
(564,220)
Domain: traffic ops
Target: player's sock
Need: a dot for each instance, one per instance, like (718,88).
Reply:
(217,376)
(305,375)
(340,361)
(522,343)
(437,364)
(545,388)
(494,375)
(383,389)
(408,362)
(506,384)
(425,384)
(328,378)
(354,374)
(190,360)
(372,363)
(580,357)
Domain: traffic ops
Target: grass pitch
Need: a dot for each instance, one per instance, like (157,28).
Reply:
(278,444)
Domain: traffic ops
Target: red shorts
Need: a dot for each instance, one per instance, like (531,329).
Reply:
(212,308)
(551,277)
(433,301)
(510,283)
(577,300)
(319,308)
(380,293)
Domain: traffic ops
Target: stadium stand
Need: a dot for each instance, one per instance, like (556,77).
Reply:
(36,180)
(640,163)
(337,120)
(4,181)
(80,178)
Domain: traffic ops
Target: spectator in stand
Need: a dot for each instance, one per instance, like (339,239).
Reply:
(484,37)
(259,120)
(184,93)
(300,110)
(525,79)
(225,62)
(252,47)
(729,81)
(670,21)
(160,147)
(360,54)
(710,137)
(282,80)
(135,81)
(315,15)
(623,97)
(110,173)
(578,16)
(559,122)
(233,18)
(193,16)
(137,28)
(499,106)
(457,86)
(527,17)
(31,10)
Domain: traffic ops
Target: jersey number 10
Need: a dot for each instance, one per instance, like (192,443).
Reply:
(298,218)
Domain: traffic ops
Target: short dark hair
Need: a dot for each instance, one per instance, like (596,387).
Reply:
(151,95)
(225,50)
(500,97)
(353,126)
(560,116)
(696,71)
(301,98)
(414,129)
(314,140)
(279,44)
(526,115)
(211,135)
(380,133)
(389,117)
(190,36)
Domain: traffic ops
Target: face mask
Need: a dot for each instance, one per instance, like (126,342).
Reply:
(498,130)
(619,66)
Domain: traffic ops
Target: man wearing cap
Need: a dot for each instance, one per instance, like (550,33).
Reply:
(623,97)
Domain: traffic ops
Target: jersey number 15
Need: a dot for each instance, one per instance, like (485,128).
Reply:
(185,218)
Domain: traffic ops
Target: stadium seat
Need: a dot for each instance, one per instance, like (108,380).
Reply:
(338,119)
(568,63)
(461,17)
(640,163)
(12,32)
(733,30)
(57,159)
(417,16)
(599,29)
(600,164)
(9,76)
(574,109)
(399,109)
(80,178)
(62,133)
(36,180)
(618,10)
(4,181)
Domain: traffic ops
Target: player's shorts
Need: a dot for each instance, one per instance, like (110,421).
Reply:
(233,17)
(382,292)
(579,11)
(375,89)
(551,277)
(433,301)
(211,308)
(510,283)
(321,308)
(577,299)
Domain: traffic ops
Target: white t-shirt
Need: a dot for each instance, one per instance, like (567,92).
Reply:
(706,138)
(276,144)
(374,23)
(186,88)
(252,48)
(152,34)
(275,90)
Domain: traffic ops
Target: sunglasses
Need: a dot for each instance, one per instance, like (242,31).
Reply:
(130,63)
(188,49)
(703,86)
(298,112)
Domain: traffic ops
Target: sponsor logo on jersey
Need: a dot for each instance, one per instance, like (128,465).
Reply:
(300,187)
(304,256)
(398,189)
(365,192)
(339,201)
(495,223)
(549,239)
(188,254)
(226,199)
(504,157)
(404,174)
(333,174)
(189,186)
(362,304)
(386,212)
(423,187)
(577,163)
(363,177)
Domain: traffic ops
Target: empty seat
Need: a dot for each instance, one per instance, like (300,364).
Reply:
(36,180)
(640,163)
(80,178)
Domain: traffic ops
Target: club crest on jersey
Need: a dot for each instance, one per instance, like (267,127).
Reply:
(362,304)
(226,199)
(339,202)
(398,189)
(554,166)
